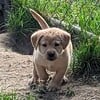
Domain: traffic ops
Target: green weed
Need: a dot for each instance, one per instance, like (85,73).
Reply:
(87,58)
(14,96)
(81,12)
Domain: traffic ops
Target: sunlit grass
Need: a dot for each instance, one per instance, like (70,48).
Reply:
(81,12)
(14,96)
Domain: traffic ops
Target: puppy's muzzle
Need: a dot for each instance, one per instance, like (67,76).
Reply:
(51,55)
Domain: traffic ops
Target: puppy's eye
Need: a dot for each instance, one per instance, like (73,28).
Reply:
(57,44)
(44,45)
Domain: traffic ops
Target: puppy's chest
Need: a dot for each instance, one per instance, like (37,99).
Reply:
(51,68)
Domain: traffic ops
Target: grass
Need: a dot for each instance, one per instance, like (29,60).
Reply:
(87,58)
(81,12)
(7,96)
(14,96)
(20,22)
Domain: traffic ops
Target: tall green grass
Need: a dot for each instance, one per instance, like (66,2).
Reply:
(87,58)
(20,21)
(85,13)
(81,12)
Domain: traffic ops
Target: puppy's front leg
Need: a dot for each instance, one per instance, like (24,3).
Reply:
(57,80)
(35,75)
(34,80)
(43,76)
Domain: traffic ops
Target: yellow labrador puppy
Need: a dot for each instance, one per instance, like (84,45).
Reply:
(52,52)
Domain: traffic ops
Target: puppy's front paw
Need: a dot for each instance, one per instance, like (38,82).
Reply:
(53,87)
(64,81)
(32,84)
(42,89)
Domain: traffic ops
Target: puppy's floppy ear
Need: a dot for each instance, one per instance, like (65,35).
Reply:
(65,40)
(35,38)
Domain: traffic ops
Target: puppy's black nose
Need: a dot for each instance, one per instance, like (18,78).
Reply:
(51,54)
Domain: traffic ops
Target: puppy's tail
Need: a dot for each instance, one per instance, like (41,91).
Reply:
(39,19)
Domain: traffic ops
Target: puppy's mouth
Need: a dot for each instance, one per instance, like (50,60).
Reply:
(51,58)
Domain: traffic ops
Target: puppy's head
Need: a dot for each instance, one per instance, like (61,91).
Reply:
(50,42)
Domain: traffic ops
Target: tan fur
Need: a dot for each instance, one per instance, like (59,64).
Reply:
(47,41)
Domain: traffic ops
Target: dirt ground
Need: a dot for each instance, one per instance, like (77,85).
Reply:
(16,70)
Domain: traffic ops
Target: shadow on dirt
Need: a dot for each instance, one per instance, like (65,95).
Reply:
(58,95)
(22,44)
(42,93)
(17,44)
